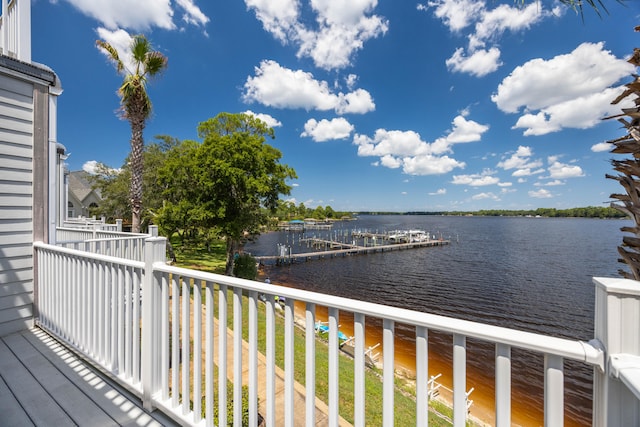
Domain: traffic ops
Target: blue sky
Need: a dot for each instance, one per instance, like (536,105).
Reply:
(377,105)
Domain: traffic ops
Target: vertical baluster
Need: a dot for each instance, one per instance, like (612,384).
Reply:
(63,293)
(108,280)
(208,392)
(197,350)
(164,338)
(94,309)
(503,385)
(553,391)
(237,357)
(100,285)
(128,321)
(186,355)
(459,380)
(135,301)
(115,332)
(175,340)
(359,366)
(334,373)
(271,360)
(122,274)
(310,361)
(55,294)
(388,373)
(422,376)
(222,354)
(289,414)
(253,358)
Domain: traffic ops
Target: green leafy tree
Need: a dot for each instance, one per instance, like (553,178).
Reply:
(135,106)
(113,184)
(239,175)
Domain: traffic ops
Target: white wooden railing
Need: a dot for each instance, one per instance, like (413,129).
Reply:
(99,240)
(15,29)
(152,326)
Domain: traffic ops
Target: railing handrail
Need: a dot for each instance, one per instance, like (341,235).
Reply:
(570,349)
(117,233)
(90,255)
(102,239)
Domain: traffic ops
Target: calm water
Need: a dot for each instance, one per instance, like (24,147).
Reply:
(532,274)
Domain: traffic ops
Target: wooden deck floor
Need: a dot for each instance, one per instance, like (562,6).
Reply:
(42,383)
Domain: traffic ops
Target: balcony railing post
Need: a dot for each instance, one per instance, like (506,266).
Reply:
(119,225)
(617,315)
(155,248)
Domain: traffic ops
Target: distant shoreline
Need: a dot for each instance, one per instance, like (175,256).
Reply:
(582,212)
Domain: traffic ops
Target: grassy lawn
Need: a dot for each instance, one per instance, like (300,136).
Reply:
(404,399)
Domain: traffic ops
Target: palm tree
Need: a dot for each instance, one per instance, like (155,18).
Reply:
(135,106)
(629,170)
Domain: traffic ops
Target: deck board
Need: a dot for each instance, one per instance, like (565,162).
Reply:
(10,408)
(34,400)
(71,399)
(43,383)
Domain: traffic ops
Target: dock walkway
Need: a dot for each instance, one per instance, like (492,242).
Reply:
(351,250)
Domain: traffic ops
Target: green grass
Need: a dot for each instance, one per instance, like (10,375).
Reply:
(404,402)
(198,257)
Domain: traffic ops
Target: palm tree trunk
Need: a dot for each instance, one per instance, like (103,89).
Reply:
(135,191)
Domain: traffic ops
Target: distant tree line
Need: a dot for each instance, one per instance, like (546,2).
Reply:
(585,212)
(287,211)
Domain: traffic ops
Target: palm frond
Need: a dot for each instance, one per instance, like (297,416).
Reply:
(112,53)
(155,62)
(140,46)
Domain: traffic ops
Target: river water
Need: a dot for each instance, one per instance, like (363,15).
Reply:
(531,274)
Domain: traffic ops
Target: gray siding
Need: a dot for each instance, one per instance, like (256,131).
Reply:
(16,203)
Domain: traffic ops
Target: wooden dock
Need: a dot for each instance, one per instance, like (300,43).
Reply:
(347,250)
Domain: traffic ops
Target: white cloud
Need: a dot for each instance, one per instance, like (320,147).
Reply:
(419,157)
(571,90)
(93,167)
(482,196)
(476,180)
(558,170)
(90,167)
(521,161)
(325,130)
(430,165)
(140,15)
(280,87)
(479,63)
(601,146)
(540,194)
(439,192)
(495,22)
(455,14)
(553,183)
(465,131)
(266,118)
(341,28)
(490,25)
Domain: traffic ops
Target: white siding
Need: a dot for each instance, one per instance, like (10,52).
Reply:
(16,204)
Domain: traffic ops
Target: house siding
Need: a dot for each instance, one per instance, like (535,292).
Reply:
(23,150)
